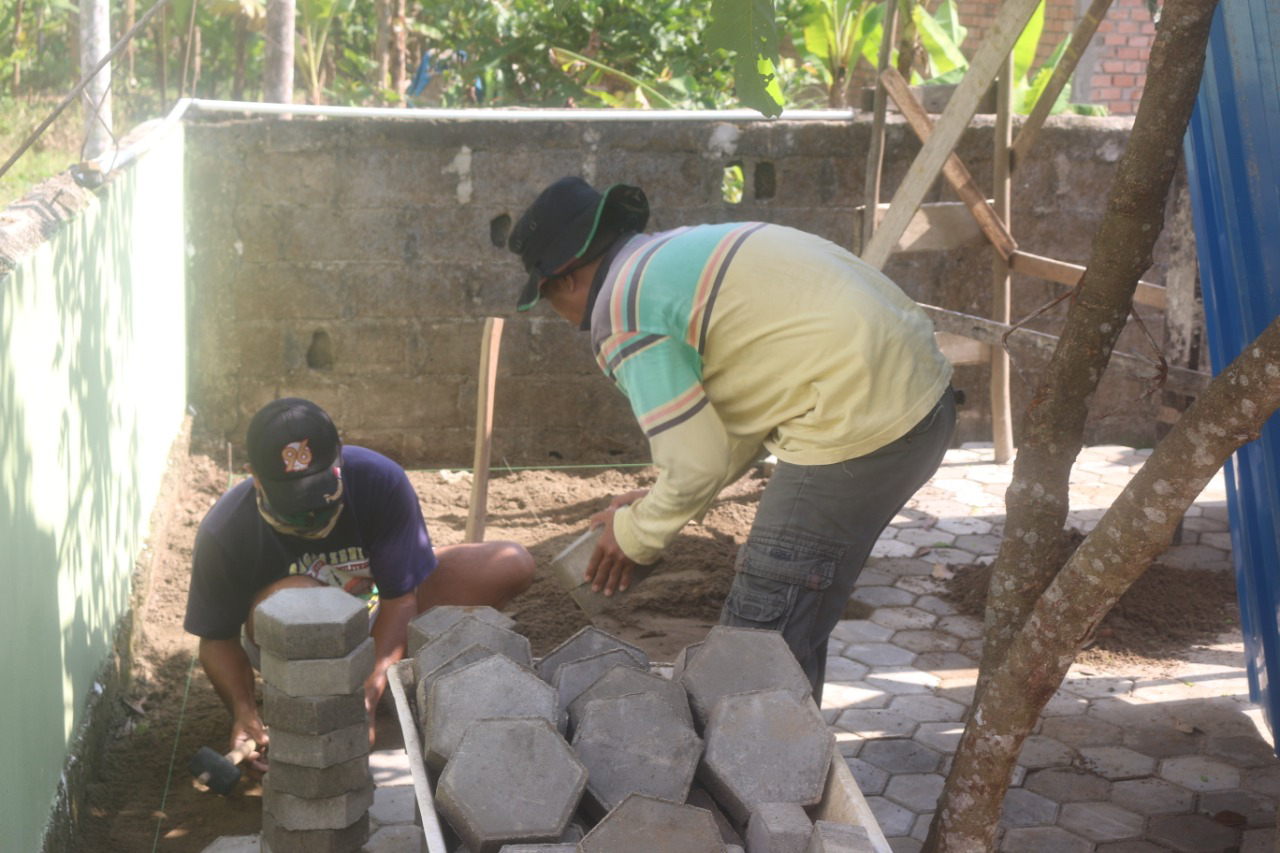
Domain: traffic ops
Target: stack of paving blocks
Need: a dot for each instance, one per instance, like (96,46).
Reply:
(729,754)
(316,656)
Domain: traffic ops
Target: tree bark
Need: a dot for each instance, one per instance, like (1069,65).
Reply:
(277,75)
(95,42)
(398,36)
(17,46)
(381,44)
(1053,425)
(1133,532)
(1037,617)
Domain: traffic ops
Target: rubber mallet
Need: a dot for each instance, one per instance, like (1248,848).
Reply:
(220,773)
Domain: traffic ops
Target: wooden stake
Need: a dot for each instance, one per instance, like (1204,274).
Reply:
(490,341)
(1001,408)
(1010,22)
(875,154)
(952,168)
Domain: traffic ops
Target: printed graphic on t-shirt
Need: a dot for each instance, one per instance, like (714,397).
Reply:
(345,568)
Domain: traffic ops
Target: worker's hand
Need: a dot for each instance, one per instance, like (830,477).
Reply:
(609,569)
(372,696)
(244,728)
(628,499)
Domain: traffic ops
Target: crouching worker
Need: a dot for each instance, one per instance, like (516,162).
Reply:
(317,513)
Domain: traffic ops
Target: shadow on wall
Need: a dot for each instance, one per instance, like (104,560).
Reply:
(70,511)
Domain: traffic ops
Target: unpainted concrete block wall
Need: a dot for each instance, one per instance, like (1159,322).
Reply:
(354,261)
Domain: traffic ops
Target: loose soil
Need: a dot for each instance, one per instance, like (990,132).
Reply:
(143,798)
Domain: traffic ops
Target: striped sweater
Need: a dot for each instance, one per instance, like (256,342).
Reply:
(726,338)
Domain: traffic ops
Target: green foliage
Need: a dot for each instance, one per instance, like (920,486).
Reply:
(837,33)
(746,29)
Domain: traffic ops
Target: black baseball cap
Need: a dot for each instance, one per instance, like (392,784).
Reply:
(561,223)
(296,455)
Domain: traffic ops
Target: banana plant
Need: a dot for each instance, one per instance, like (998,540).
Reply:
(315,19)
(837,33)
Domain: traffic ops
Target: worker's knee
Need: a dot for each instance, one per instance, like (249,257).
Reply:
(287,582)
(517,566)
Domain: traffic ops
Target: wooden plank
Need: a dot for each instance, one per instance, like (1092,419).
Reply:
(1009,24)
(1069,274)
(1030,342)
(942,226)
(875,153)
(959,350)
(1001,302)
(1085,28)
(953,169)
(490,341)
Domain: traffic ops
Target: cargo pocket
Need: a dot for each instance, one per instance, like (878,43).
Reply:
(774,574)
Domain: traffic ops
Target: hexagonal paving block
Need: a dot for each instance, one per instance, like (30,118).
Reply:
(764,747)
(644,825)
(1151,796)
(1026,808)
(1101,821)
(901,755)
(634,744)
(917,791)
(311,714)
(1039,839)
(470,631)
(1192,833)
(466,657)
(336,812)
(682,660)
(1068,784)
(740,660)
(494,687)
(699,797)
(588,641)
(621,680)
(1199,773)
(573,677)
(779,828)
(510,782)
(320,622)
(1117,763)
(434,621)
(336,676)
(277,839)
(831,837)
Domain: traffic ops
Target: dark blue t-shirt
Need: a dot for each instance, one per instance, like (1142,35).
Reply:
(380,538)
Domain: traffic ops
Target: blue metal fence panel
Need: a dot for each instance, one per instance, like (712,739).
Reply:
(1233,166)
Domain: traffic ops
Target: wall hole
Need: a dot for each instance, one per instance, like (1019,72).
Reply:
(499,229)
(765,181)
(320,353)
(732,183)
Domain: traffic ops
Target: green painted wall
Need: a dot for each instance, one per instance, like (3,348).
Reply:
(92,395)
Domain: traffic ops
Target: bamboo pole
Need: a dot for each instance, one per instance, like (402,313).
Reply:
(1001,409)
(490,341)
(875,154)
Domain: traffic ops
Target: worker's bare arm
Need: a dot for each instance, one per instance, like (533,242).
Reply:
(390,635)
(228,668)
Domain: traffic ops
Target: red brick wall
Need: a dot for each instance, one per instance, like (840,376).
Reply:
(1116,64)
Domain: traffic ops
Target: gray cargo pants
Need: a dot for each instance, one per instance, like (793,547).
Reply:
(814,529)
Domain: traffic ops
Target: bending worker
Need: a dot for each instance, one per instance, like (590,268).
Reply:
(728,338)
(318,513)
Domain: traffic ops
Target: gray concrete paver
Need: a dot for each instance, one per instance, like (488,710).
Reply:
(1228,807)
(901,756)
(892,818)
(917,791)
(1199,773)
(1043,839)
(878,654)
(902,679)
(883,596)
(1152,796)
(928,709)
(1082,731)
(1101,821)
(1117,763)
(926,641)
(1027,808)
(1068,784)
(1193,834)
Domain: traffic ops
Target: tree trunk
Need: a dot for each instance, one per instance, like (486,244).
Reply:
(1133,532)
(162,58)
(17,46)
(398,31)
(242,44)
(381,44)
(277,75)
(1035,624)
(95,42)
(130,12)
(1053,425)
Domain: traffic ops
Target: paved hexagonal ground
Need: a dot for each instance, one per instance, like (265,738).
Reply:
(510,782)
(764,747)
(635,744)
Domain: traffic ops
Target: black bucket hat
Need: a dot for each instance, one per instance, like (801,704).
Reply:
(561,223)
(296,455)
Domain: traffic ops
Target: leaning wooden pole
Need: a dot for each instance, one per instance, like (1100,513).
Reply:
(490,341)
(875,152)
(1001,409)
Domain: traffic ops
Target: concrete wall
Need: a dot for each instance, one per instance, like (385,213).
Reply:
(92,396)
(353,262)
